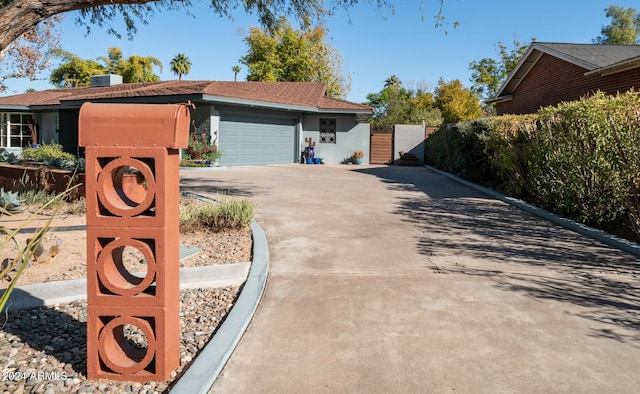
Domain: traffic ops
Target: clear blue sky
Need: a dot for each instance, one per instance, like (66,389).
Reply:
(374,43)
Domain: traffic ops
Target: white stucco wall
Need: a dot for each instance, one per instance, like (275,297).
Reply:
(350,136)
(408,138)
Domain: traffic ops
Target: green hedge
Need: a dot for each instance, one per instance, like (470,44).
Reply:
(580,159)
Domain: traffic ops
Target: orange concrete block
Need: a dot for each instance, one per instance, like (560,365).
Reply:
(115,275)
(139,344)
(127,223)
(107,201)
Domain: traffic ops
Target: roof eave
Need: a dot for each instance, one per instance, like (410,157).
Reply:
(255,103)
(624,65)
(520,71)
(11,107)
(280,106)
(525,65)
(500,99)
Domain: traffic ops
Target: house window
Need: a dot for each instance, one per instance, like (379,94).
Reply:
(327,131)
(14,129)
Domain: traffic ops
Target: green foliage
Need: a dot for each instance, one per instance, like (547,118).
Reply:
(10,203)
(574,164)
(8,157)
(180,65)
(227,213)
(285,54)
(200,148)
(489,74)
(459,149)
(624,28)
(395,104)
(75,71)
(580,159)
(508,144)
(46,153)
(456,103)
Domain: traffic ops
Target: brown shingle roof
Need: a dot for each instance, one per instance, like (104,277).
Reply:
(298,94)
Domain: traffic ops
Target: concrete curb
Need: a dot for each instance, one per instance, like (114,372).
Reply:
(606,238)
(206,368)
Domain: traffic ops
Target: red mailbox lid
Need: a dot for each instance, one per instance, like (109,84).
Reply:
(143,125)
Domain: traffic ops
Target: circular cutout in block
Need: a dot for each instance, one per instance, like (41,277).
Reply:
(114,192)
(112,267)
(120,353)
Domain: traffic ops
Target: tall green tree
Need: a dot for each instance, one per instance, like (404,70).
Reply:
(395,104)
(488,74)
(180,65)
(75,71)
(624,28)
(236,69)
(456,103)
(285,54)
(133,69)
(392,81)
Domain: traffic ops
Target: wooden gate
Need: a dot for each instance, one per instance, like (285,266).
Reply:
(381,144)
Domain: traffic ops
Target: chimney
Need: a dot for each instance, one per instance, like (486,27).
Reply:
(106,80)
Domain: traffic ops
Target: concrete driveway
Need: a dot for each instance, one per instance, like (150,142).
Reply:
(400,280)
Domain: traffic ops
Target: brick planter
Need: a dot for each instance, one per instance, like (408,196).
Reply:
(49,179)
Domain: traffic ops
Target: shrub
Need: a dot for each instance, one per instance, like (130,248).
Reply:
(227,213)
(460,149)
(580,159)
(508,146)
(46,152)
(574,163)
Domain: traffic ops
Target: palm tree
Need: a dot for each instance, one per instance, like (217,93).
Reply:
(236,70)
(180,65)
(392,81)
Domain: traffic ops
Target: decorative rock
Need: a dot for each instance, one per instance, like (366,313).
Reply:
(200,313)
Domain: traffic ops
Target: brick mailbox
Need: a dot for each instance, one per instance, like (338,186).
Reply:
(133,318)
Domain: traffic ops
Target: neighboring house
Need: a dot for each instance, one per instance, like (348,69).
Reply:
(251,122)
(550,73)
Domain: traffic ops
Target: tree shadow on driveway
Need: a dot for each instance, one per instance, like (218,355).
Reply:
(466,232)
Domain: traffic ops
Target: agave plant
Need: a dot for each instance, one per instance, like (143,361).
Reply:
(10,203)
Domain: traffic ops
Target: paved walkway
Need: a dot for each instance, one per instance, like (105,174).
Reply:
(400,280)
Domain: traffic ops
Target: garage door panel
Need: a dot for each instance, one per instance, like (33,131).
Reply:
(246,141)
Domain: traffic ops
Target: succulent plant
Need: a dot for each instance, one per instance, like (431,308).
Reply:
(10,203)
(8,157)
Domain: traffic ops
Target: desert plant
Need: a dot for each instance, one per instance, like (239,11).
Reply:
(10,203)
(28,253)
(225,213)
(8,157)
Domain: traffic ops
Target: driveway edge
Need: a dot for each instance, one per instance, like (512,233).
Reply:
(599,235)
(206,368)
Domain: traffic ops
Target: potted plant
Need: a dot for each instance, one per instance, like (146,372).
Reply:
(358,156)
(201,152)
(33,130)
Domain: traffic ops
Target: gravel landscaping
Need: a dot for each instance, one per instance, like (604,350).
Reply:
(43,350)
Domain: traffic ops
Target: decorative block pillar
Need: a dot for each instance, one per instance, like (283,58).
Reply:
(133,283)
